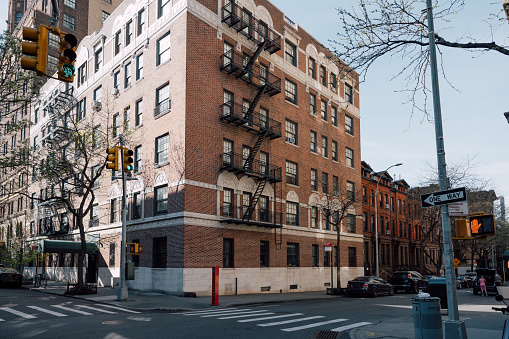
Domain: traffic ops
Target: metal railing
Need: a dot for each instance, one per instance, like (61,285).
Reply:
(264,216)
(237,113)
(237,163)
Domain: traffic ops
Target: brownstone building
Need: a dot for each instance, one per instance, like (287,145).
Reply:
(399,223)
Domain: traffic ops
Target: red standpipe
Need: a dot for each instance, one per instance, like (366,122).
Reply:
(215,286)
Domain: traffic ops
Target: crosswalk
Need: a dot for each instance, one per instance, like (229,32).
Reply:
(34,312)
(265,318)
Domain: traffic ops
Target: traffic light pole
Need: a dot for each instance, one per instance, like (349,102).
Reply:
(453,327)
(122,289)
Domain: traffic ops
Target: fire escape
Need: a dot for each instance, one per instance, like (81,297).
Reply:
(246,116)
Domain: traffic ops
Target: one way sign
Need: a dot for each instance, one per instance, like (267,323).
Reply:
(443,197)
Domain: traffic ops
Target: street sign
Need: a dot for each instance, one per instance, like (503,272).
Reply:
(458,209)
(328,247)
(443,197)
(456,262)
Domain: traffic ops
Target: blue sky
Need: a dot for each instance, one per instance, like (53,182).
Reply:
(473,120)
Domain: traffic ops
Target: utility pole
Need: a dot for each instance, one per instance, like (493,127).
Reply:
(453,327)
(122,289)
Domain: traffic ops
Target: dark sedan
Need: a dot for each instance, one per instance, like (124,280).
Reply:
(410,281)
(372,286)
(9,277)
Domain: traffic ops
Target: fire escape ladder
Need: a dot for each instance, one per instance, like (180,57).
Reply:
(249,160)
(278,236)
(254,199)
(255,56)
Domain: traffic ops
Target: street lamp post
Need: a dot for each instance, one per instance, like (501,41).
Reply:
(376,215)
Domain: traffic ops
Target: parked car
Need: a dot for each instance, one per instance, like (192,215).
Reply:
(372,286)
(410,281)
(9,277)
(428,277)
(471,276)
(492,280)
(463,281)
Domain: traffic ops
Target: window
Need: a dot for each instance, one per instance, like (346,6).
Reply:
(112,254)
(291,91)
(137,159)
(95,170)
(246,201)
(228,202)
(325,182)
(334,116)
(116,123)
(97,136)
(162,100)
(335,185)
(228,53)
(323,108)
(163,7)
(69,22)
(314,179)
(312,141)
(227,151)
(98,59)
(352,256)
(314,217)
(18,16)
(291,132)
(94,215)
(314,255)
(292,173)
(264,163)
(36,116)
(323,76)
(137,205)
(163,49)
(161,195)
(290,53)
(247,19)
(128,32)
(141,21)
(228,251)
(325,150)
(127,75)
(118,42)
(138,111)
(334,150)
(292,213)
(139,66)
(350,219)
(348,124)
(161,149)
(264,208)
(350,190)
(82,74)
(104,16)
(312,104)
(292,255)
(349,157)
(326,258)
(159,246)
(325,219)
(349,93)
(264,74)
(264,254)
(264,118)
(246,152)
(333,83)
(98,92)
(113,211)
(312,68)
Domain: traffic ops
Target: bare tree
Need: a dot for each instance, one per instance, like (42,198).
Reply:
(398,29)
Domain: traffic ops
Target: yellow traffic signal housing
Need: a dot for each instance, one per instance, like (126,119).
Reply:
(462,229)
(112,158)
(66,56)
(38,48)
(134,248)
(128,160)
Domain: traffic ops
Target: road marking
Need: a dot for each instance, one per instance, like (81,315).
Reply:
(269,318)
(96,309)
(217,311)
(207,311)
(1,319)
(291,329)
(119,308)
(72,310)
(246,315)
(243,312)
(347,327)
(48,311)
(290,321)
(21,314)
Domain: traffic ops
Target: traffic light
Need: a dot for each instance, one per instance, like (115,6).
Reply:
(112,158)
(482,225)
(38,48)
(66,56)
(134,248)
(462,229)
(128,160)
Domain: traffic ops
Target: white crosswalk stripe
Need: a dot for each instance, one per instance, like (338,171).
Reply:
(270,318)
(119,308)
(303,327)
(217,311)
(57,314)
(291,321)
(1,319)
(243,312)
(72,310)
(95,309)
(253,314)
(21,314)
(348,327)
(207,311)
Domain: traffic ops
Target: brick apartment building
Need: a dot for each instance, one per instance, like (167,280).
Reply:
(240,123)
(400,226)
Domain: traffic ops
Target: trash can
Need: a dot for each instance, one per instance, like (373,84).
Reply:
(427,318)
(438,288)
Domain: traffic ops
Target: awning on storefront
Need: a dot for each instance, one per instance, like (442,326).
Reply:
(64,246)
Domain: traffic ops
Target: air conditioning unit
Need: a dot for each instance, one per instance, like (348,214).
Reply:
(388,232)
(387,206)
(290,140)
(96,105)
(115,91)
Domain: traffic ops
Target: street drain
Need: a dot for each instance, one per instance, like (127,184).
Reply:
(326,335)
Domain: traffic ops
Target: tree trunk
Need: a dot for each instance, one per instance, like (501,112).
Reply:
(338,273)
(82,254)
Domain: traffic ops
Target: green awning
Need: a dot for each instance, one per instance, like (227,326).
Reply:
(64,246)
(506,255)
